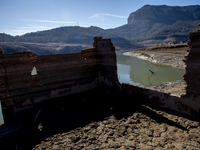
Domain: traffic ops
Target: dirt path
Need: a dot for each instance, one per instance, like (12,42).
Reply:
(146,129)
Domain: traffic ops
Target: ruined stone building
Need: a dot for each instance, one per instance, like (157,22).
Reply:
(27,79)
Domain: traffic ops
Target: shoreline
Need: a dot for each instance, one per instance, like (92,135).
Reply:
(167,56)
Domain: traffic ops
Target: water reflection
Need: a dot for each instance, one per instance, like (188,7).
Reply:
(135,71)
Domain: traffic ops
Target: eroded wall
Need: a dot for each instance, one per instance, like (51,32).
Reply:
(107,64)
(27,79)
(192,64)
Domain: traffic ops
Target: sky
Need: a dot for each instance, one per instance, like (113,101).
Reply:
(24,16)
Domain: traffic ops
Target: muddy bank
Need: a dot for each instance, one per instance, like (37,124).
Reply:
(163,55)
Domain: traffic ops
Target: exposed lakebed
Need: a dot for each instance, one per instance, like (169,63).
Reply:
(138,72)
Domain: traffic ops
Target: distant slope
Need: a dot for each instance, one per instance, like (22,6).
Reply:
(160,22)
(142,30)
(150,22)
(12,48)
(69,35)
(166,14)
(74,35)
(6,38)
(179,29)
(39,48)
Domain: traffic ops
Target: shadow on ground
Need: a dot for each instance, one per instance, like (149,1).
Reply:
(67,113)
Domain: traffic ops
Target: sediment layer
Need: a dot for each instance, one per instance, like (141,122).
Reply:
(165,55)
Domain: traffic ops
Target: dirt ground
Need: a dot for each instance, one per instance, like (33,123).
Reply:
(130,125)
(138,127)
(173,88)
(146,129)
(101,121)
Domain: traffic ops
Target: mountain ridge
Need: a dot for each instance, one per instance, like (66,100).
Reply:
(166,14)
(60,40)
(150,22)
(69,35)
(154,22)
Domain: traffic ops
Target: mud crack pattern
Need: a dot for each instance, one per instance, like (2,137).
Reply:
(138,131)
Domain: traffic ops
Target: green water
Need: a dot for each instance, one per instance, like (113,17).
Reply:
(135,71)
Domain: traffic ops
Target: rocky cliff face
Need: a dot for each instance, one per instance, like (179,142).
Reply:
(165,14)
(160,23)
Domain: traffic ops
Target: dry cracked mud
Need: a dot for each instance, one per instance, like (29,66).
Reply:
(146,128)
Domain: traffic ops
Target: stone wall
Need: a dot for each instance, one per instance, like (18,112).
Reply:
(27,79)
(107,63)
(188,103)
(192,64)
(185,105)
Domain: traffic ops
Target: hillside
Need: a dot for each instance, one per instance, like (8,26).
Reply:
(154,24)
(69,35)
(160,22)
(72,35)
(165,14)
(6,38)
(41,48)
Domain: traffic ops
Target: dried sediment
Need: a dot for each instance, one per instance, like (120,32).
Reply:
(144,129)
(166,55)
(173,88)
(159,58)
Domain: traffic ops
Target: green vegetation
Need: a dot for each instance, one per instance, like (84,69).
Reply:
(160,22)
(142,30)
(178,29)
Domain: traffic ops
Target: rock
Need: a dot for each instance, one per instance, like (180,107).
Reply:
(55,147)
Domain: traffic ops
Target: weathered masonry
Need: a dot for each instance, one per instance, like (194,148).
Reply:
(27,79)
(192,64)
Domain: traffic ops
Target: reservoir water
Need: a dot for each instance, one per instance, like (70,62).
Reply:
(134,71)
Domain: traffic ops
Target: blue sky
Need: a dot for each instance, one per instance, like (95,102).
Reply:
(23,16)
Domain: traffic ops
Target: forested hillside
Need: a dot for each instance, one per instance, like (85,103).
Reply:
(142,30)
(68,35)
(160,22)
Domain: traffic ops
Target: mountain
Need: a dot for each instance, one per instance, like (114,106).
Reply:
(69,35)
(166,14)
(160,22)
(155,23)
(40,48)
(6,38)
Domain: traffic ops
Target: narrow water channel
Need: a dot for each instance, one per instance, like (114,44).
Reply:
(134,71)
